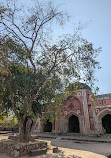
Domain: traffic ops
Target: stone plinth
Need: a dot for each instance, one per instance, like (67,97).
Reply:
(17,149)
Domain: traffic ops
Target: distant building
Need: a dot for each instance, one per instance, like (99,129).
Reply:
(81,116)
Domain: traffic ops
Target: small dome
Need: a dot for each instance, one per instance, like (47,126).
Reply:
(77,86)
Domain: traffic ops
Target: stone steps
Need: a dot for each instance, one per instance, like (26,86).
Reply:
(36,152)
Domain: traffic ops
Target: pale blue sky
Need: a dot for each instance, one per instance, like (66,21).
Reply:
(96,14)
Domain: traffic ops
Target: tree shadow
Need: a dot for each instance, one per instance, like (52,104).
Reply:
(58,155)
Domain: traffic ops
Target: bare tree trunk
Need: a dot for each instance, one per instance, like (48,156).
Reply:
(25,125)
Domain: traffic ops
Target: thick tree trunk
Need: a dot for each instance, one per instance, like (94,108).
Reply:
(25,125)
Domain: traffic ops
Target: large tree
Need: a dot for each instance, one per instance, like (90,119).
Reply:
(34,70)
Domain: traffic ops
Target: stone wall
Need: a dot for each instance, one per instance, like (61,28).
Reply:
(17,149)
(89,111)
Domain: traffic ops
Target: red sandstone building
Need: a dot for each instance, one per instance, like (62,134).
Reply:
(81,116)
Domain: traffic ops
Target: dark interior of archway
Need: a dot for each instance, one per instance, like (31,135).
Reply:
(74,124)
(106,122)
(48,127)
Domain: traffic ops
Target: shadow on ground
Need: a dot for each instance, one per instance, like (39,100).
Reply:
(59,155)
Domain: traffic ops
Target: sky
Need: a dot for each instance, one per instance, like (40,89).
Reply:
(95,15)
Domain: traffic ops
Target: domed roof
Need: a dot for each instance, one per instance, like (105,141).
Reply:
(78,85)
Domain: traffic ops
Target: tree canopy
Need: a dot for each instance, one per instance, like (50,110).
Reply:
(34,71)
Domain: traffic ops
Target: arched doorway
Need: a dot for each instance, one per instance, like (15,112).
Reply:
(106,123)
(74,124)
(48,126)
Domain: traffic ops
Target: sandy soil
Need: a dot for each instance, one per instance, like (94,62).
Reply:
(67,150)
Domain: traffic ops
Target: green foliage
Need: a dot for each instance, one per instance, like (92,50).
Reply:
(9,121)
(47,94)
(12,51)
(34,72)
(1,121)
(13,61)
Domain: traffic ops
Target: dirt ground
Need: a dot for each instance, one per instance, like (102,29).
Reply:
(71,149)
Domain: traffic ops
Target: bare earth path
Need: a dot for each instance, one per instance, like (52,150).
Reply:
(71,149)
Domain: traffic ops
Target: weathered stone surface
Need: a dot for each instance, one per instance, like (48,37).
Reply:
(55,150)
(38,152)
(16,137)
(17,149)
(88,111)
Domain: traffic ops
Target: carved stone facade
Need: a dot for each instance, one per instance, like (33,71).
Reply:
(81,115)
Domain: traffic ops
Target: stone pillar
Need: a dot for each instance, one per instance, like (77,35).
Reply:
(95,120)
(86,114)
(38,125)
(100,128)
(61,125)
(91,118)
(66,126)
(82,124)
(55,127)
(61,130)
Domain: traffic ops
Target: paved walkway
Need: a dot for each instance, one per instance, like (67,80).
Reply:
(77,137)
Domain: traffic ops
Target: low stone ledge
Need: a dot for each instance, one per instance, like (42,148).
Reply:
(37,152)
(16,137)
(17,149)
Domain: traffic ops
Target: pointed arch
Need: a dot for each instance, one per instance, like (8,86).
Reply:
(100,116)
(73,124)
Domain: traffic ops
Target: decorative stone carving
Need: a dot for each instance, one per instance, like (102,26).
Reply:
(78,112)
(65,112)
(78,94)
(97,110)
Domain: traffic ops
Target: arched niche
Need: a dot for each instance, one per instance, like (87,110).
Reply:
(74,118)
(106,123)
(73,124)
(47,126)
(100,116)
